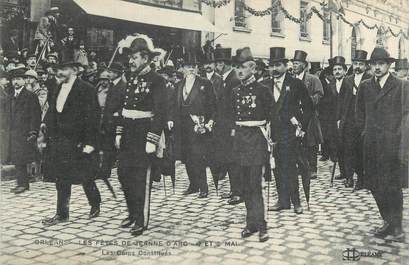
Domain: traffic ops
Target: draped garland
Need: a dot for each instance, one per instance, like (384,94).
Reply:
(308,16)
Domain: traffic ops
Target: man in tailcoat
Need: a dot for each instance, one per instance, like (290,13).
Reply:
(252,104)
(24,122)
(192,118)
(141,123)
(349,133)
(290,117)
(110,90)
(313,135)
(223,141)
(382,118)
(71,128)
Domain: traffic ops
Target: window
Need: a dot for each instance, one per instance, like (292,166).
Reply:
(193,5)
(275,19)
(239,14)
(326,31)
(304,23)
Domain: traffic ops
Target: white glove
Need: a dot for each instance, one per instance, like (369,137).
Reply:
(150,148)
(294,121)
(338,123)
(170,125)
(88,149)
(209,125)
(118,141)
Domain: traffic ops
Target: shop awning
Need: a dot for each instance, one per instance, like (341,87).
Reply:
(146,14)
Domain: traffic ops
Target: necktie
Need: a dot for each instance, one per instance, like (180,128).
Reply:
(378,81)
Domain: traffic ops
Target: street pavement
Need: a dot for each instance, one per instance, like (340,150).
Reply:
(187,230)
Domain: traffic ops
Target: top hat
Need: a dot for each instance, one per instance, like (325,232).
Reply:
(116,67)
(244,55)
(208,57)
(300,56)
(401,64)
(31,73)
(338,60)
(380,54)
(277,54)
(192,57)
(360,55)
(222,54)
(20,72)
(142,42)
(315,67)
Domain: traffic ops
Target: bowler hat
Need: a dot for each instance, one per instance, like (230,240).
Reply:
(17,73)
(116,67)
(360,55)
(300,56)
(277,54)
(401,64)
(380,54)
(142,43)
(244,55)
(222,54)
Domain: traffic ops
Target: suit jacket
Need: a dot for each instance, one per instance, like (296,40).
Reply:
(382,118)
(328,105)
(294,101)
(217,83)
(201,101)
(69,131)
(25,119)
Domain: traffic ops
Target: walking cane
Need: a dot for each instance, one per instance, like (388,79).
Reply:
(333,173)
(42,52)
(164,185)
(113,56)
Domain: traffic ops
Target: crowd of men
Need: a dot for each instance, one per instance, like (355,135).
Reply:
(232,113)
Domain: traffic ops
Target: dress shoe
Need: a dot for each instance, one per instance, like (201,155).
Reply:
(19,190)
(339,177)
(235,200)
(248,232)
(396,234)
(349,183)
(277,207)
(324,158)
(202,195)
(127,222)
(226,195)
(137,230)
(263,236)
(382,231)
(313,175)
(94,212)
(298,209)
(190,191)
(56,219)
(13,189)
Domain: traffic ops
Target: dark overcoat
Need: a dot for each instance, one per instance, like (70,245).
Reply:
(222,141)
(25,119)
(68,132)
(382,115)
(201,101)
(5,105)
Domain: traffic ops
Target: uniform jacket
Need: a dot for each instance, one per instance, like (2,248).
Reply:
(294,101)
(251,101)
(382,118)
(25,118)
(222,140)
(69,131)
(145,91)
(201,101)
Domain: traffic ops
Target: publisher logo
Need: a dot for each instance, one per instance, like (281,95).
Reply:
(351,254)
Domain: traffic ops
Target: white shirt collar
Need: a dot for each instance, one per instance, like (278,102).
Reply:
(17,91)
(280,81)
(338,84)
(301,75)
(116,81)
(358,78)
(383,79)
(209,75)
(226,74)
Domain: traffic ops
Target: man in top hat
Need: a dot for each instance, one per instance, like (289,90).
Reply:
(24,123)
(346,123)
(141,122)
(252,104)
(110,90)
(290,116)
(223,142)
(192,117)
(401,68)
(313,135)
(211,75)
(71,126)
(383,120)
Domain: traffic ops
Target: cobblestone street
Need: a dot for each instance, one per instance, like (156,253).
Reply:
(187,230)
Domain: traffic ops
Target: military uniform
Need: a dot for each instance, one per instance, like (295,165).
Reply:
(141,120)
(252,104)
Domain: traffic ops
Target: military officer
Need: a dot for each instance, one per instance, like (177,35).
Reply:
(314,87)
(350,136)
(252,104)
(291,114)
(139,130)
(192,117)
